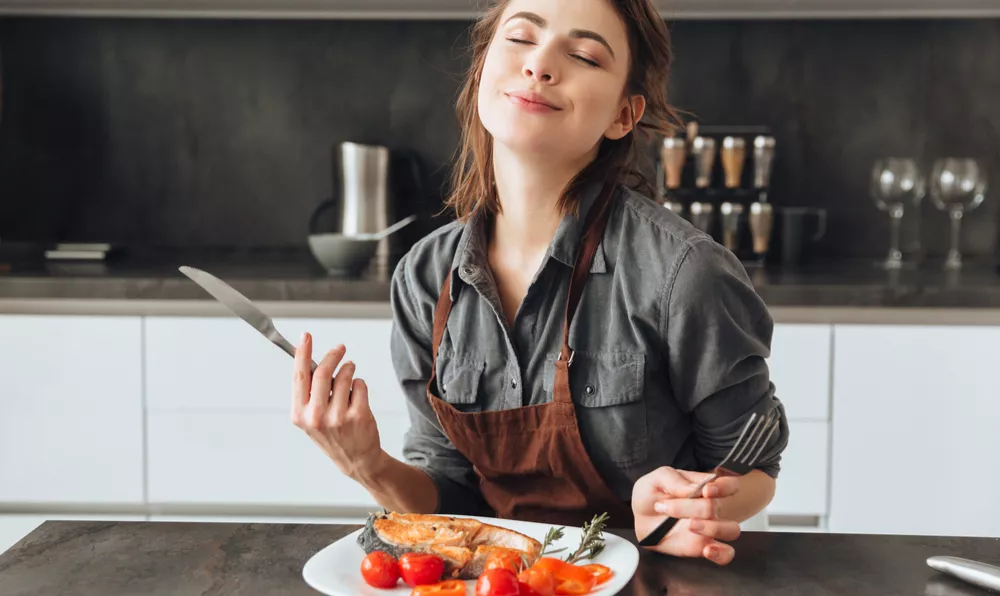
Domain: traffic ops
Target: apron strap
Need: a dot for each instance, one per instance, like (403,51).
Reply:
(596,222)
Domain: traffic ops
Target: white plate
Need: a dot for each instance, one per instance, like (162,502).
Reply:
(336,570)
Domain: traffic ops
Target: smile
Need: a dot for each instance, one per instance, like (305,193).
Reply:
(531,102)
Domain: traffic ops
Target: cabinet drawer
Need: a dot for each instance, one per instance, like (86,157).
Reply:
(802,484)
(212,363)
(225,457)
(800,369)
(70,409)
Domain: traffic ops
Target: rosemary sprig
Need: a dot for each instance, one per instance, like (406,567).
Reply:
(592,541)
(553,535)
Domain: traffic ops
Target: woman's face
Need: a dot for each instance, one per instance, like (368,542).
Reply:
(554,77)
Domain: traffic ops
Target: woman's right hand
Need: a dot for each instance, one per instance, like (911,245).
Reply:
(334,411)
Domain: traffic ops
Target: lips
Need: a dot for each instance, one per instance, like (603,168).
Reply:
(532,101)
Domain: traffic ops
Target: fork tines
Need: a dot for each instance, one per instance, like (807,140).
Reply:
(748,447)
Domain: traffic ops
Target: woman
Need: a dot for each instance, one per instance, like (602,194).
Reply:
(567,347)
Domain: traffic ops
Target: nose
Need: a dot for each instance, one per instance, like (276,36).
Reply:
(540,67)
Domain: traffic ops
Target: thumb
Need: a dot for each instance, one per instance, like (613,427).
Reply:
(672,483)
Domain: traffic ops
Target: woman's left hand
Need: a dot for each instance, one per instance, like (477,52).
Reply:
(700,532)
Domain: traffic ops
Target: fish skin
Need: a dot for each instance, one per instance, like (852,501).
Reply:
(463,544)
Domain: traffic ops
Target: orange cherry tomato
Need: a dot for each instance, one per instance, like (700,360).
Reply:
(380,570)
(537,582)
(452,587)
(505,559)
(418,569)
(497,582)
(601,573)
(566,572)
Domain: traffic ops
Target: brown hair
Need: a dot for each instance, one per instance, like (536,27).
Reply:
(472,180)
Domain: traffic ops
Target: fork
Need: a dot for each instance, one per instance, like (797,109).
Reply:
(739,462)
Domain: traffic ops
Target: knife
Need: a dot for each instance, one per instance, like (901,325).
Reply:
(973,572)
(241,306)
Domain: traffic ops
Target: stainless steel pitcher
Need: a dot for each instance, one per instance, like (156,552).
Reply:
(367,203)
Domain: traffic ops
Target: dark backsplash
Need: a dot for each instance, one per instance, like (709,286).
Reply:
(222,133)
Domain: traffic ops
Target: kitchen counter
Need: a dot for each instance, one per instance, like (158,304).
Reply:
(111,558)
(289,283)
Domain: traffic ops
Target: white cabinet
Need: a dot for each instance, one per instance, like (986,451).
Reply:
(800,370)
(915,441)
(250,458)
(802,486)
(207,363)
(218,397)
(71,410)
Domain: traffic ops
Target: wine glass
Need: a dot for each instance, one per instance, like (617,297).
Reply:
(957,185)
(896,183)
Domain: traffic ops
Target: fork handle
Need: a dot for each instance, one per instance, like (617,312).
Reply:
(654,537)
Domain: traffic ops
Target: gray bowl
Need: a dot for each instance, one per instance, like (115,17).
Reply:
(340,254)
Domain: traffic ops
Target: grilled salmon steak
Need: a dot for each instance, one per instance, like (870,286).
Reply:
(463,544)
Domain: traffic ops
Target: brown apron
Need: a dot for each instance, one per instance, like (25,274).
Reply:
(531,461)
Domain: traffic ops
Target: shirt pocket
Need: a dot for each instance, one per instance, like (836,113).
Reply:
(609,393)
(459,382)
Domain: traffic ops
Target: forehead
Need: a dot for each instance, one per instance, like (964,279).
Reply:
(564,16)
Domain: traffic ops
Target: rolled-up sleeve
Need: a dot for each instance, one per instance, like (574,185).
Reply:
(718,336)
(425,444)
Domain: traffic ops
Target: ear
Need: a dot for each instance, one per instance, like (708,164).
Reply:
(633,107)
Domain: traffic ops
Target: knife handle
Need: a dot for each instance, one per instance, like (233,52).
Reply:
(973,572)
(289,349)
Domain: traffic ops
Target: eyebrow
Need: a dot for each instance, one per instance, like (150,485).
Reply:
(575,33)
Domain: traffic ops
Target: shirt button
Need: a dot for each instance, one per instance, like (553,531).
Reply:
(589,389)
(468,270)
(513,383)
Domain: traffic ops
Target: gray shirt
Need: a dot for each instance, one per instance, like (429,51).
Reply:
(670,342)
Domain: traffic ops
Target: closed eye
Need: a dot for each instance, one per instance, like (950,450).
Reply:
(517,40)
(585,60)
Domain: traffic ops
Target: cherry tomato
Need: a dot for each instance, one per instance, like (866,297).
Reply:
(537,582)
(570,579)
(452,587)
(601,573)
(497,582)
(419,569)
(505,559)
(380,570)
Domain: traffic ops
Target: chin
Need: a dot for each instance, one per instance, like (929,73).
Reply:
(522,133)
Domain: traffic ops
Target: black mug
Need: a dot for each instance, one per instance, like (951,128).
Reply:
(800,228)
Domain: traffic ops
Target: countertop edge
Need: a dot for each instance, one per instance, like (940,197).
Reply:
(840,315)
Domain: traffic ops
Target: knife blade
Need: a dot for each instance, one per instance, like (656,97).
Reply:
(972,572)
(241,306)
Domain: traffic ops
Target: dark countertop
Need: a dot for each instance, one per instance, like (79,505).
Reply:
(111,558)
(293,276)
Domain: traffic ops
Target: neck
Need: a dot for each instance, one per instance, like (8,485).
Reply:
(529,192)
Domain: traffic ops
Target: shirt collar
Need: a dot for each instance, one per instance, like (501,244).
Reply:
(471,259)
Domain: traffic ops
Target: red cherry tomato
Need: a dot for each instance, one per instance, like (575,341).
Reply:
(452,587)
(497,582)
(419,569)
(380,570)
(537,582)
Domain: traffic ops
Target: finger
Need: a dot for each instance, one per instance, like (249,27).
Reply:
(689,508)
(719,553)
(722,487)
(301,373)
(359,397)
(341,392)
(672,482)
(319,396)
(695,478)
(719,530)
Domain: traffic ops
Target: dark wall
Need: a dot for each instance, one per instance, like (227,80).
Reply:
(222,133)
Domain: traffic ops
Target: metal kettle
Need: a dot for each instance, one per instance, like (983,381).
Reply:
(371,193)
